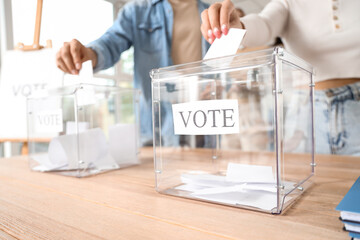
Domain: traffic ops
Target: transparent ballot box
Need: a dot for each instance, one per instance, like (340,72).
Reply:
(83,130)
(235,130)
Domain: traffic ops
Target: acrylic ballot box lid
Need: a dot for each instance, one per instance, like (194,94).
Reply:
(235,130)
(79,130)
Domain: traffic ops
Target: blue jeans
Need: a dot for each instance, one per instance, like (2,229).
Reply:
(337,120)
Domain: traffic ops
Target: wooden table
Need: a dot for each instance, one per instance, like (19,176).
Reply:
(123,204)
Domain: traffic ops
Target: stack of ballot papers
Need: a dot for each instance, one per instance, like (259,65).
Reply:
(248,185)
(349,208)
(93,148)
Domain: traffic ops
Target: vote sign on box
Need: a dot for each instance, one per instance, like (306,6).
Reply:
(206,117)
(49,121)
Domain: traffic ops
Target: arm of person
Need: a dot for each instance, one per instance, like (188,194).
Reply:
(117,39)
(103,52)
(261,28)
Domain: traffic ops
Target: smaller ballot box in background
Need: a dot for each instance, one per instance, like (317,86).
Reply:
(235,130)
(83,130)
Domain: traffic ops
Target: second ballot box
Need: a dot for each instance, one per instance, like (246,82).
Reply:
(83,130)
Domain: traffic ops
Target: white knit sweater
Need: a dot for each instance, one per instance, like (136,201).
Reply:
(326,33)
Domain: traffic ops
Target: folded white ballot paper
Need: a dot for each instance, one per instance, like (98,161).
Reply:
(122,141)
(261,200)
(248,185)
(209,183)
(205,180)
(62,151)
(86,73)
(44,164)
(227,44)
(85,95)
(249,173)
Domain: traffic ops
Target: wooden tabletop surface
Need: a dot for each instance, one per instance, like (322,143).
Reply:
(123,204)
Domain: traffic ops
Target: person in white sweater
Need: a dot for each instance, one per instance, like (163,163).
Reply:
(324,33)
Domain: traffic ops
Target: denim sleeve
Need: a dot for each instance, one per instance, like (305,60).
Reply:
(117,39)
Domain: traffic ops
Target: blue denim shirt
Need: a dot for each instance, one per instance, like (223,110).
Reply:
(147,25)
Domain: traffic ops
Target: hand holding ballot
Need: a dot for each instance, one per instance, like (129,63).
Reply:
(218,19)
(71,56)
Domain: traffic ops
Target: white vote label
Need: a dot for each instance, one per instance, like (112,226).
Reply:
(206,117)
(49,121)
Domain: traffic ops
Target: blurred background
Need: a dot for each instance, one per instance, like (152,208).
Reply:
(64,20)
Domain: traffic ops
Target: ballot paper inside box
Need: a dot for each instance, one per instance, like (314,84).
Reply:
(83,130)
(235,130)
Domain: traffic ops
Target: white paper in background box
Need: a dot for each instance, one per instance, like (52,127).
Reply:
(49,121)
(226,45)
(122,142)
(71,127)
(44,163)
(93,151)
(23,74)
(206,117)
(62,152)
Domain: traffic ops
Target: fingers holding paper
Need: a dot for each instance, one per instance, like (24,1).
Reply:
(218,19)
(71,56)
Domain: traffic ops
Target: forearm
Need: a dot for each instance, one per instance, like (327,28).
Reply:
(108,51)
(117,39)
(264,27)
